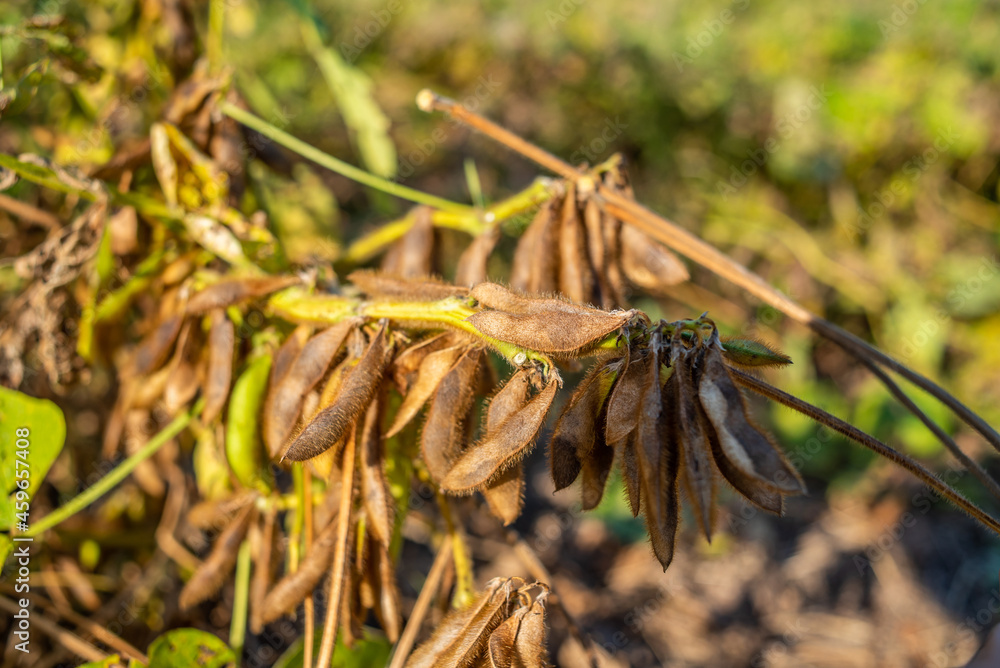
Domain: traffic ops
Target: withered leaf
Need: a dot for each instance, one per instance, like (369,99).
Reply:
(433,369)
(424,288)
(284,403)
(328,427)
(219,374)
(444,432)
(506,444)
(576,429)
(743,444)
(231,291)
(220,562)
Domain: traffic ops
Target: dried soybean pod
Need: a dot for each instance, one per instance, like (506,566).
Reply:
(625,401)
(382,285)
(154,348)
(184,381)
(243,449)
(294,587)
(699,474)
(505,445)
(472,263)
(497,297)
(413,255)
(286,354)
(558,332)
(219,374)
(475,636)
(530,645)
(432,371)
(752,353)
(505,494)
(444,432)
(453,627)
(522,266)
(576,429)
(761,495)
(544,277)
(659,465)
(576,279)
(406,364)
(742,443)
(220,562)
(648,264)
(285,403)
(375,495)
(597,253)
(232,291)
(329,426)
(501,651)
(595,469)
(631,476)
(389,609)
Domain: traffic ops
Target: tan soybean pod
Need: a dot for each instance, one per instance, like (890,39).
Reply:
(576,278)
(472,264)
(443,435)
(383,285)
(563,332)
(232,291)
(329,426)
(508,441)
(433,369)
(742,443)
(219,370)
(376,497)
(413,255)
(648,264)
(213,572)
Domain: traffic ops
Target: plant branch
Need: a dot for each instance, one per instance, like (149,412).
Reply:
(708,256)
(336,165)
(870,442)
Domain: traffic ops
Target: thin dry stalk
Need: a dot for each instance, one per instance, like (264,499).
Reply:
(70,641)
(423,604)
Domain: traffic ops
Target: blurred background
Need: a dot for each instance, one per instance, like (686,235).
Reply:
(849,152)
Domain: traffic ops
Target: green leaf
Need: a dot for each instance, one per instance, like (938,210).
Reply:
(38,423)
(190,648)
(6,545)
(112,661)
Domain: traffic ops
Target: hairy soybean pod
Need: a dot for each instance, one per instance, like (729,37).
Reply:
(413,255)
(696,450)
(377,498)
(154,348)
(444,430)
(530,645)
(432,370)
(294,587)
(473,261)
(383,285)
(647,264)
(742,443)
(507,443)
(750,353)
(231,291)
(563,332)
(576,278)
(328,427)
(243,447)
(523,267)
(625,402)
(285,403)
(220,562)
(219,374)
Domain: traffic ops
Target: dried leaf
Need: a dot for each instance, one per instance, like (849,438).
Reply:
(285,403)
(232,291)
(507,443)
(444,432)
(743,444)
(219,373)
(220,562)
(433,369)
(328,427)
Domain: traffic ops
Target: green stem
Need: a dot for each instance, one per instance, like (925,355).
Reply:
(238,626)
(336,165)
(117,474)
